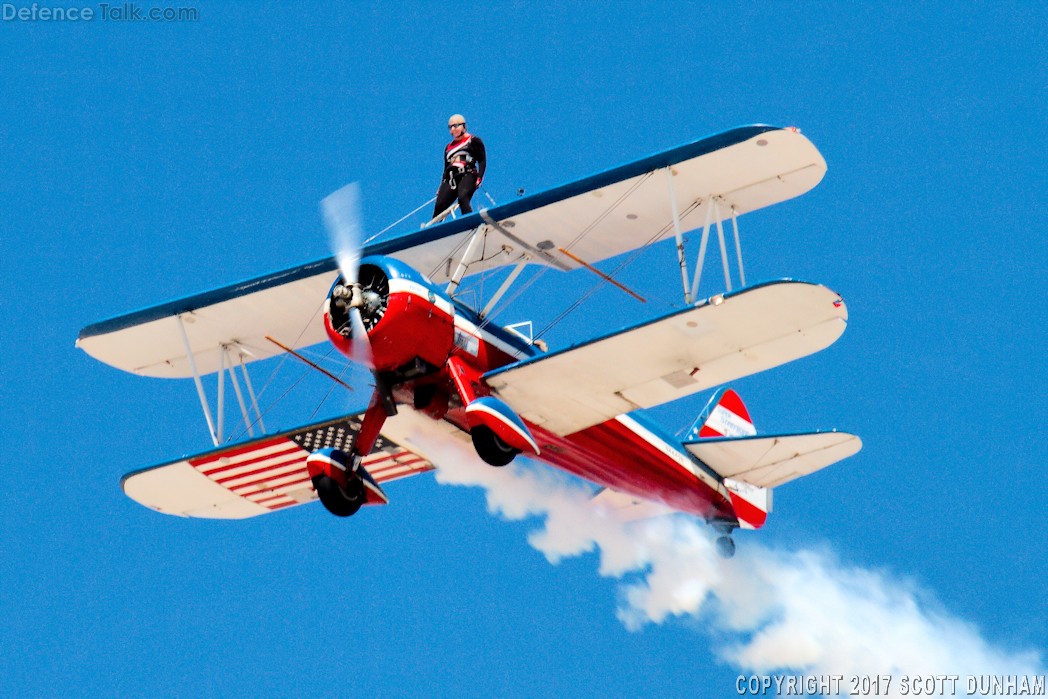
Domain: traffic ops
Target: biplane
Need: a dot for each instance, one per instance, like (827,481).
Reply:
(442,369)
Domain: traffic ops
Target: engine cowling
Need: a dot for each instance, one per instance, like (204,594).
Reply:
(409,321)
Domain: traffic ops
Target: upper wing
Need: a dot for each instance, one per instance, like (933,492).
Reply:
(286,305)
(724,339)
(260,476)
(594,218)
(770,461)
(626,207)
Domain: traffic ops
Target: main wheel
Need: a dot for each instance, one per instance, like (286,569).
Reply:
(339,501)
(490,447)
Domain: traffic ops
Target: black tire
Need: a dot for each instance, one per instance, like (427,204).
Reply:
(338,501)
(490,448)
(726,547)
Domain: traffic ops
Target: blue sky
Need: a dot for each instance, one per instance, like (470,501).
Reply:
(145,161)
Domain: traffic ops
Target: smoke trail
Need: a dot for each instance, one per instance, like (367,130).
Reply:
(798,611)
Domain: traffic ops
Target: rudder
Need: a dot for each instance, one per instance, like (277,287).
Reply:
(724,416)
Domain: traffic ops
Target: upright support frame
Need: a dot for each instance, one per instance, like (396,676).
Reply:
(711,204)
(738,245)
(504,287)
(251,393)
(236,390)
(467,257)
(450,211)
(198,382)
(681,260)
(713,215)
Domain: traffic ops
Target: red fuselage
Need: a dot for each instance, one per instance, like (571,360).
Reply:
(422,329)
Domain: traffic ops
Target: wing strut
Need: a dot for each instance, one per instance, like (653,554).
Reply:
(464,261)
(504,287)
(219,430)
(681,260)
(226,365)
(198,382)
(251,393)
(713,215)
(724,251)
(236,389)
(738,245)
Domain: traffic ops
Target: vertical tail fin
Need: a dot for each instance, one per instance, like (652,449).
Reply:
(724,416)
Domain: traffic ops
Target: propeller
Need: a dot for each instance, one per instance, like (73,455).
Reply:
(341,210)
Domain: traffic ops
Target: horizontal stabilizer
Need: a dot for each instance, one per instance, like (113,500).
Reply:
(727,337)
(260,476)
(771,460)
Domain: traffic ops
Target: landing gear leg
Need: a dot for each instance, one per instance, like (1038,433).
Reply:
(334,472)
(381,407)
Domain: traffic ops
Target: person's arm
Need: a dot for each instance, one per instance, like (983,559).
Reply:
(443,168)
(482,159)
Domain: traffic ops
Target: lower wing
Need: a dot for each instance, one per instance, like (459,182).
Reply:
(260,476)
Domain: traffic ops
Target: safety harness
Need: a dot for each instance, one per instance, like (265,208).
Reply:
(459,161)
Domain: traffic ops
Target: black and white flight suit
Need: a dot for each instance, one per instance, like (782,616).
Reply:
(464,165)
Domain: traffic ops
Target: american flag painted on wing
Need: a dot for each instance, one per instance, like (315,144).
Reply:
(271,471)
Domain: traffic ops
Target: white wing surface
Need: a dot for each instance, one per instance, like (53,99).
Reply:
(262,475)
(287,306)
(629,206)
(723,339)
(591,219)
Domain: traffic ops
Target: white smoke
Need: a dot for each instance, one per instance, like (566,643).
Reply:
(787,611)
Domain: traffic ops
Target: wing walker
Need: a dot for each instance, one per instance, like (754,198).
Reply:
(443,371)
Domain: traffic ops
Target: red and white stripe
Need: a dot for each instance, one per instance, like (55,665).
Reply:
(267,472)
(729,418)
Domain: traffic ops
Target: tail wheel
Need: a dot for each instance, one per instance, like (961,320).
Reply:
(339,501)
(726,546)
(490,447)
